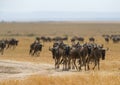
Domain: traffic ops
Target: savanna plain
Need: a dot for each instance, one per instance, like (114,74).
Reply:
(17,67)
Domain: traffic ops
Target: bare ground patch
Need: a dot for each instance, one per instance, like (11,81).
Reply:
(15,69)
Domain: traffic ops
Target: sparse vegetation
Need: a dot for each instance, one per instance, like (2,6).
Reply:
(109,73)
(30,35)
(92,79)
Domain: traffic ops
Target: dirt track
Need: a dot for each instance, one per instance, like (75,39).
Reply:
(14,69)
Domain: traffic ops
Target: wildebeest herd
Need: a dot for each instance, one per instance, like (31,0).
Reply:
(113,38)
(83,54)
(8,43)
(74,56)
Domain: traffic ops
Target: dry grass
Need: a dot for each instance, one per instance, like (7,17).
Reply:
(110,68)
(92,79)
(60,28)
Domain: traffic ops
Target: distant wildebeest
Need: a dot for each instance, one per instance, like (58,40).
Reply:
(91,39)
(60,38)
(74,38)
(49,39)
(46,39)
(106,36)
(2,46)
(12,43)
(35,49)
(116,39)
(81,39)
(65,38)
(106,39)
(57,38)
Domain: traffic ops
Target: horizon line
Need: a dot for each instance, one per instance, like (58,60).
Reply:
(60,21)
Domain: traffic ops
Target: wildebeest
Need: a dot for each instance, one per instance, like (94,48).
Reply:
(95,55)
(12,43)
(46,39)
(60,53)
(106,39)
(35,48)
(84,53)
(74,55)
(2,46)
(81,39)
(72,40)
(116,39)
(78,52)
(60,38)
(91,39)
(57,53)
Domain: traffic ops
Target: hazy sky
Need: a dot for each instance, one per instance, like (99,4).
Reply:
(23,6)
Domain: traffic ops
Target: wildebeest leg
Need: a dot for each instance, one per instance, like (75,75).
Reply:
(84,63)
(88,61)
(95,64)
(7,46)
(98,64)
(80,63)
(34,52)
(65,64)
(61,61)
(67,67)
(74,62)
(55,63)
(73,66)
(30,52)
(58,62)
(69,64)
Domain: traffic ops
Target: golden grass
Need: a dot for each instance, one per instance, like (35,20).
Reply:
(110,67)
(109,73)
(92,79)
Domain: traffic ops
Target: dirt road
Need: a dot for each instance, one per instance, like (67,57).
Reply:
(15,69)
